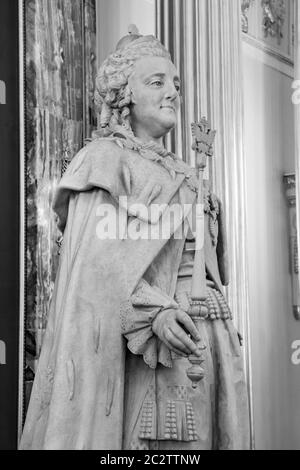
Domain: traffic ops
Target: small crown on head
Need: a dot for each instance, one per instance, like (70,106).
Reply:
(133,34)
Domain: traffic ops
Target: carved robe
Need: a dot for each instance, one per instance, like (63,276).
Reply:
(99,351)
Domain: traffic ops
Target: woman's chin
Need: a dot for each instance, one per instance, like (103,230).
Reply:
(169,124)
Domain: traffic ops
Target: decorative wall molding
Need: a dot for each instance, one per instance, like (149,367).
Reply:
(290,186)
(246,4)
(297,123)
(257,51)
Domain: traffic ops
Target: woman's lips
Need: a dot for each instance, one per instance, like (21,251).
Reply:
(169,107)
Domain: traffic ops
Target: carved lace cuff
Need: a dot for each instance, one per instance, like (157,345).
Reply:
(137,316)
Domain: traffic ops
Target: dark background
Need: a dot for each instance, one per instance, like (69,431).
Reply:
(9,223)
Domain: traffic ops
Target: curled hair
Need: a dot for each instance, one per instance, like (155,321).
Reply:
(113,95)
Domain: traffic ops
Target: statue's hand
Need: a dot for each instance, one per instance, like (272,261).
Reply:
(170,325)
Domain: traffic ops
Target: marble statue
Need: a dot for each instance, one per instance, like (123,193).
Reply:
(120,336)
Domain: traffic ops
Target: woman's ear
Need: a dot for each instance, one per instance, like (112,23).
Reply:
(132,100)
(130,87)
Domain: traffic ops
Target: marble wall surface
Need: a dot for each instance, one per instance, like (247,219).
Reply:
(60,38)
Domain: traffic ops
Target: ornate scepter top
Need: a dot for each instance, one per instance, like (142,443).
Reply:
(203,137)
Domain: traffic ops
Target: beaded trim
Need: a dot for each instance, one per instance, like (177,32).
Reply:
(217,307)
(175,421)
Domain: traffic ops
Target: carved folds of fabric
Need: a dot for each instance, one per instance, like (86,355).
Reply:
(45,388)
(212,208)
(137,315)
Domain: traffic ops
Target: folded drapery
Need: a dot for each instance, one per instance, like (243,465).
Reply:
(137,316)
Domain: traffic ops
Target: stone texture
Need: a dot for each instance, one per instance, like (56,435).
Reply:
(60,70)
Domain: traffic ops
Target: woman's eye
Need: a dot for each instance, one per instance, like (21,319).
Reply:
(157,83)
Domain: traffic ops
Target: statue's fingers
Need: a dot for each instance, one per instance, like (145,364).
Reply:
(188,323)
(176,345)
(177,351)
(185,340)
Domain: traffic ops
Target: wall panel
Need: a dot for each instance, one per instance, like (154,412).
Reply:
(269,151)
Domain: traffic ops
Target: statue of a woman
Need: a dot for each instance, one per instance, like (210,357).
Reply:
(113,367)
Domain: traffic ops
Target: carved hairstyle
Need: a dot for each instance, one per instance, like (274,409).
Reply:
(113,95)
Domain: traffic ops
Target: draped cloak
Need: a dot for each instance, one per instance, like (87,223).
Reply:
(77,399)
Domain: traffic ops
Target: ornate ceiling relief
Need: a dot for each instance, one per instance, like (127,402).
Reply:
(246,4)
(274,12)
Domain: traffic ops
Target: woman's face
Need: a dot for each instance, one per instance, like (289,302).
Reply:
(155,97)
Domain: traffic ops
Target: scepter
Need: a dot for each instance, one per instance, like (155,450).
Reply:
(203,138)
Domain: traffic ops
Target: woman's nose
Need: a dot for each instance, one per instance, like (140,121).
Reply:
(171,92)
